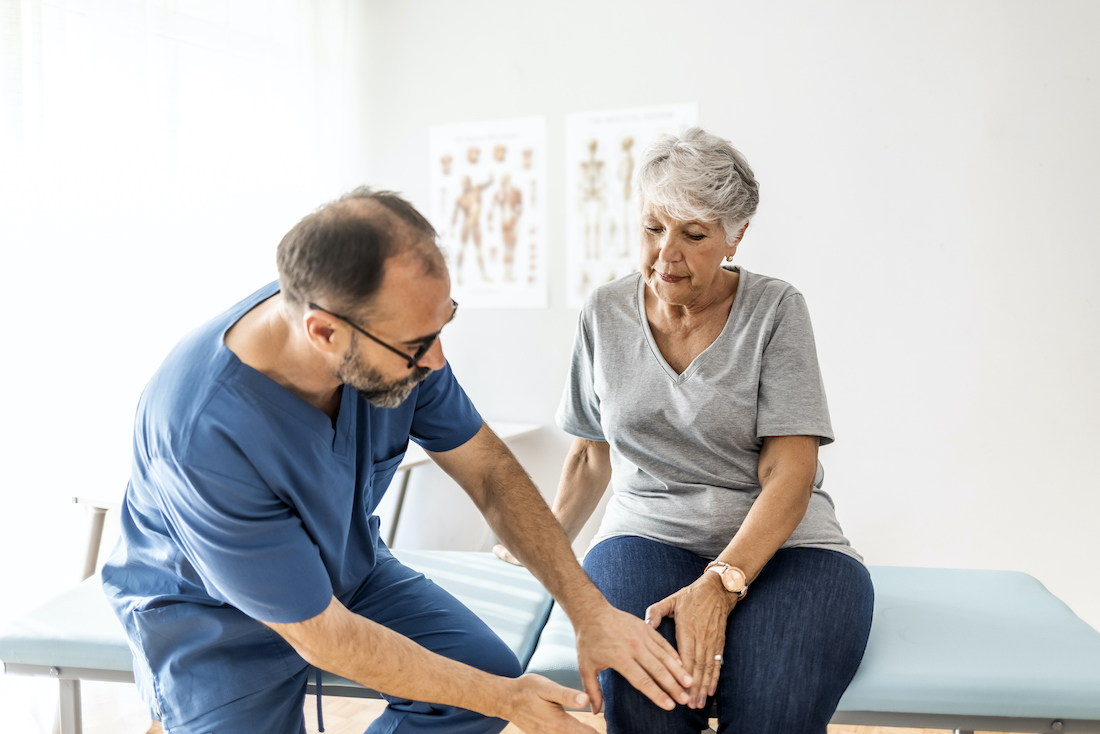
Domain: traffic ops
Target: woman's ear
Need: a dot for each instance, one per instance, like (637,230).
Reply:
(736,241)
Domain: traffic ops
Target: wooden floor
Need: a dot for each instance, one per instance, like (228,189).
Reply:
(27,705)
(351,716)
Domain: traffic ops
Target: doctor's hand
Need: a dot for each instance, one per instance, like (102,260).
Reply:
(610,638)
(701,611)
(536,705)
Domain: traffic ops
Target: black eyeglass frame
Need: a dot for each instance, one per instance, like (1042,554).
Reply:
(420,351)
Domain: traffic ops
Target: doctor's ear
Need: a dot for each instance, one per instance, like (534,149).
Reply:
(320,329)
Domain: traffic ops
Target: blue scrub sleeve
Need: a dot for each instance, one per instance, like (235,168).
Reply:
(444,417)
(249,548)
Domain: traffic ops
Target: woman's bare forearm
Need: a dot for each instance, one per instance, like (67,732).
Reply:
(787,468)
(584,477)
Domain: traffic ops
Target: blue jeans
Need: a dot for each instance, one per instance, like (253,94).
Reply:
(403,600)
(793,643)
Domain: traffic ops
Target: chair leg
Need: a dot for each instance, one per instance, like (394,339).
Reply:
(70,707)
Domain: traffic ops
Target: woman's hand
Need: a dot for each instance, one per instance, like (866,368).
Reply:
(584,478)
(506,555)
(700,611)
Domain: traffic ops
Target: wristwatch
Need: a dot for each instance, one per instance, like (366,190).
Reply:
(733,578)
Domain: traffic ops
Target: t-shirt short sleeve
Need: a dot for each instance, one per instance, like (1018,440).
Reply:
(791,399)
(444,417)
(249,548)
(579,411)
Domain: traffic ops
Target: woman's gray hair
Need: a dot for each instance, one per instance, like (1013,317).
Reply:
(697,175)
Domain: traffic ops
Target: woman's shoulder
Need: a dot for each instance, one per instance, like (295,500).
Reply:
(613,297)
(765,289)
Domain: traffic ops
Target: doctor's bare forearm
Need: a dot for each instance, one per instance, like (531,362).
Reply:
(517,513)
(344,643)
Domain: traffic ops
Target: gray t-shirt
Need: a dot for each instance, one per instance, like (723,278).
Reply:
(685,447)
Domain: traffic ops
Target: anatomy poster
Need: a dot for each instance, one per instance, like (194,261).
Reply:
(602,150)
(488,188)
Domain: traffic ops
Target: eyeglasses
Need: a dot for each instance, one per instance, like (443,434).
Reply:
(421,350)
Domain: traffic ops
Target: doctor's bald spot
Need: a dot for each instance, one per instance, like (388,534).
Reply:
(337,254)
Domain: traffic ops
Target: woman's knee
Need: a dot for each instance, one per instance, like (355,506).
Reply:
(628,711)
(633,573)
(793,648)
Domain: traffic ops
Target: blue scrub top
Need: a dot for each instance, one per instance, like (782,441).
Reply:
(245,504)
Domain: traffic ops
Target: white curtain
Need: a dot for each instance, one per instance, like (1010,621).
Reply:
(151,156)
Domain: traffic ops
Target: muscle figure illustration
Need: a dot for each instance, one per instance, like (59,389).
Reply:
(468,205)
(445,161)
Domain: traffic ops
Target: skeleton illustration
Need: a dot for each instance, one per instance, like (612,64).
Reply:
(626,177)
(591,200)
(510,201)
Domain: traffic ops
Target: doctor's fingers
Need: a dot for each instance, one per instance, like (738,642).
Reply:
(649,687)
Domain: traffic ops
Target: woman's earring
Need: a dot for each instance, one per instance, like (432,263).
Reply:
(729,258)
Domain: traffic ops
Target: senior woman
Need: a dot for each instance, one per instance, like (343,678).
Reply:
(695,389)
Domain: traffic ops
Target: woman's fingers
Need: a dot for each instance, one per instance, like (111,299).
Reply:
(704,664)
(713,668)
(689,656)
(656,612)
(712,686)
(700,638)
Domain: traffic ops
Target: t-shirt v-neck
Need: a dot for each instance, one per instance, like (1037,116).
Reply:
(681,377)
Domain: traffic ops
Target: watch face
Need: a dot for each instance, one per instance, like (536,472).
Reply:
(733,580)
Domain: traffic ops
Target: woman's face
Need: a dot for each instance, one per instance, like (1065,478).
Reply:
(680,259)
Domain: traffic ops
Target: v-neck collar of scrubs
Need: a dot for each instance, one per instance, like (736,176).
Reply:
(680,378)
(341,438)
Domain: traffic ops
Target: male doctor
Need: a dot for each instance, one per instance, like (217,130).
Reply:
(250,548)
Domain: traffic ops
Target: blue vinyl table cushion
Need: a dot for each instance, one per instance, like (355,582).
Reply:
(955,641)
(944,641)
(975,643)
(77,628)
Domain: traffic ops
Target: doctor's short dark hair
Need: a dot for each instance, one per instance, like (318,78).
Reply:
(337,254)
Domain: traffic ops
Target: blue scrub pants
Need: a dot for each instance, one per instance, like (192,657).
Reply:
(408,603)
(792,644)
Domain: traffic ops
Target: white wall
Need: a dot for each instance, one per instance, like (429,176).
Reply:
(151,157)
(928,180)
